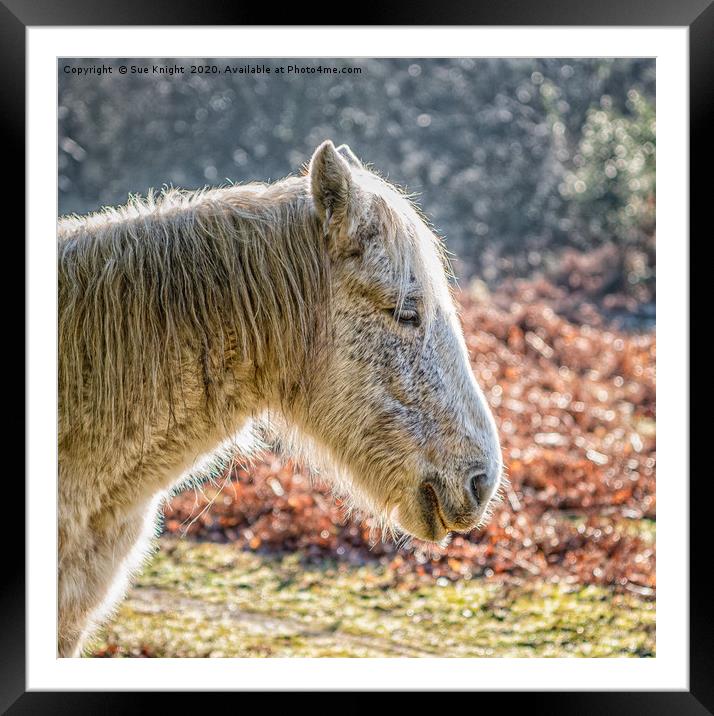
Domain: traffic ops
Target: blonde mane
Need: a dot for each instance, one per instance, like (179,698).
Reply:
(236,271)
(148,286)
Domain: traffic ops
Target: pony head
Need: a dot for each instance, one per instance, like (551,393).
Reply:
(393,403)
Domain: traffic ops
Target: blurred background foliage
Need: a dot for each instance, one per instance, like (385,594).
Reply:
(514,160)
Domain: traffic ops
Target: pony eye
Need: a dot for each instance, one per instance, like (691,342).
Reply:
(407,317)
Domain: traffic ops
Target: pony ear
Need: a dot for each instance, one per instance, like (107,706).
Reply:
(332,185)
(349,156)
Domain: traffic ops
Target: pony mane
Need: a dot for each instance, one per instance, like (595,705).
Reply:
(180,278)
(148,286)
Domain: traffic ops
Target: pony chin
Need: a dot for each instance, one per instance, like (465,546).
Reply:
(407,518)
(400,521)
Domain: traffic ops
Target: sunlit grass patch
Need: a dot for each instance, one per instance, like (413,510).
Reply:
(205,599)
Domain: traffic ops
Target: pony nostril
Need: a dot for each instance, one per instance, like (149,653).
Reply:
(478,485)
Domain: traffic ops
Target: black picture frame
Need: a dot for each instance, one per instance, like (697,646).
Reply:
(697,15)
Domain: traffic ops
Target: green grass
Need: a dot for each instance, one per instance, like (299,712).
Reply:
(203,599)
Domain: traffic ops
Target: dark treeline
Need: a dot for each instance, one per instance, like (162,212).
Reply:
(513,160)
